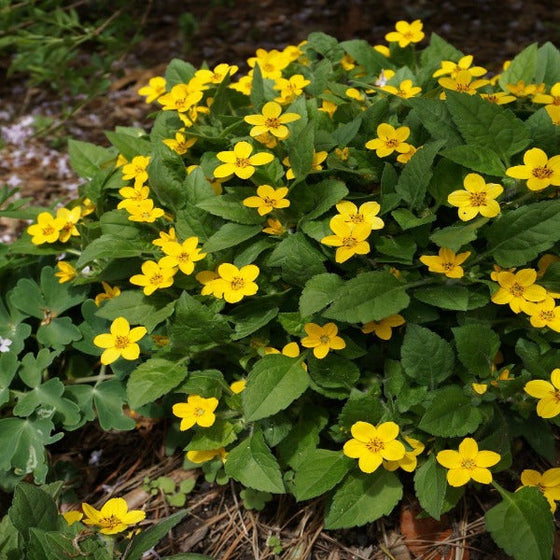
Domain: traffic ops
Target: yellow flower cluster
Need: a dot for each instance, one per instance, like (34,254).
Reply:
(50,229)
(229,282)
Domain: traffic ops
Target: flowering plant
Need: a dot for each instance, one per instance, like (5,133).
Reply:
(400,246)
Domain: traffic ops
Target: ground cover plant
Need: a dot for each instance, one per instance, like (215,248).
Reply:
(337,273)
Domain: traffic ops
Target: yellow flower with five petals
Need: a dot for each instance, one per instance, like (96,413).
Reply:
(548,483)
(518,289)
(182,255)
(154,277)
(349,240)
(538,169)
(477,198)
(66,272)
(389,139)
(322,339)
(271,120)
(268,199)
(548,393)
(236,283)
(384,327)
(406,33)
(197,410)
(120,341)
(240,162)
(113,517)
(446,262)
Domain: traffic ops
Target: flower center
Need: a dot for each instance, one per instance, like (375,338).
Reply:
(478,199)
(48,230)
(109,522)
(138,170)
(349,242)
(272,122)
(375,445)
(447,266)
(199,411)
(468,464)
(267,67)
(324,339)
(146,215)
(180,103)
(556,395)
(356,218)
(242,162)
(156,278)
(183,257)
(237,283)
(391,142)
(517,290)
(121,342)
(547,315)
(463,88)
(269,202)
(543,172)
(556,100)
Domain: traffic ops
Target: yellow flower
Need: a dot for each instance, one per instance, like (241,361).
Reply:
(453,68)
(165,237)
(144,211)
(121,341)
(240,161)
(549,99)
(521,89)
(389,139)
(183,255)
(291,350)
(384,76)
(46,230)
(121,160)
(383,328)
(446,262)
(181,98)
(545,313)
(290,88)
(406,33)
(238,386)
(382,49)
(479,388)
(318,159)
(137,170)
(132,197)
(548,483)
(544,262)
(197,410)
(554,114)
(212,283)
(271,62)
(109,293)
(217,75)
(243,85)
(328,107)
(410,460)
(113,517)
(477,198)
(518,289)
(69,218)
(202,456)
(66,272)
(154,277)
(180,144)
(405,89)
(342,153)
(237,283)
(347,62)
(405,158)
(372,445)
(155,88)
(350,215)
(271,120)
(499,98)
(267,139)
(322,339)
(462,82)
(88,207)
(548,394)
(72,516)
(350,240)
(353,93)
(274,227)
(268,199)
(539,171)
(468,463)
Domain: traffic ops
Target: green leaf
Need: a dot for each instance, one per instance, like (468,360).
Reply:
(47,400)
(167,177)
(9,549)
(318,292)
(87,159)
(32,366)
(370,296)
(400,248)
(407,220)
(544,133)
(178,72)
(519,236)
(220,434)
(333,376)
(138,308)
(8,366)
(452,296)
(148,538)
(324,196)
(301,153)
(365,55)
(321,471)
(206,383)
(551,278)
(477,346)
(426,357)
(109,398)
(522,524)
(362,498)
(548,64)
(430,486)
(252,464)
(522,67)
(257,88)
(454,237)
(477,158)
(48,545)
(32,507)
(487,124)
(230,207)
(360,406)
(272,385)
(416,175)
(59,332)
(153,379)
(110,246)
(230,235)
(128,145)
(451,414)
(252,315)
(439,49)
(436,118)
(298,259)
(196,325)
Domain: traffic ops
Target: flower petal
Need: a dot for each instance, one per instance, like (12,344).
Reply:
(363,431)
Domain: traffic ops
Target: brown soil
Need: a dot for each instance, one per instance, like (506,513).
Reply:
(230,31)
